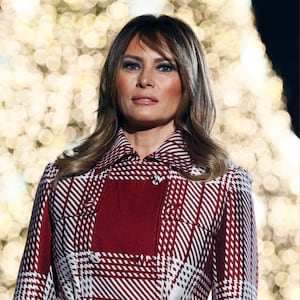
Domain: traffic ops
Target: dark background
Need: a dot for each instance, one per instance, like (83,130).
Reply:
(278,25)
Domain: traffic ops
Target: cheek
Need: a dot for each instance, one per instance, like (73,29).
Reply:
(118,87)
(175,88)
(121,88)
(175,91)
(119,84)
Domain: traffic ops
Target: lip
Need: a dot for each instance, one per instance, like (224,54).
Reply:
(144,98)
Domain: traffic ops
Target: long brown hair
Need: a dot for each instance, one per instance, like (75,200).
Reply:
(196,114)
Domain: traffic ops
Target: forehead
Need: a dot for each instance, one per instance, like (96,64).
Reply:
(154,44)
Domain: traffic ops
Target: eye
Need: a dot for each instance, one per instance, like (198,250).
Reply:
(130,65)
(166,67)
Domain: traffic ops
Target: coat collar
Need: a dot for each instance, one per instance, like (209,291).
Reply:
(173,152)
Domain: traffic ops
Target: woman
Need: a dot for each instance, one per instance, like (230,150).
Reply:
(148,206)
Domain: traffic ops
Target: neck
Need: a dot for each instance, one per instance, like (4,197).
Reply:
(144,142)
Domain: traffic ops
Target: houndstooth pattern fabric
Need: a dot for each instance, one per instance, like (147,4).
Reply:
(131,229)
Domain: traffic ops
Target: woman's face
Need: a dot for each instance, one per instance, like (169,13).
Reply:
(148,86)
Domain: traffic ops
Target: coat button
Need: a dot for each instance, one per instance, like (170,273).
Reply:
(157,179)
(94,258)
(143,260)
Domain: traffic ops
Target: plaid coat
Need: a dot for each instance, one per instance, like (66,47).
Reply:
(131,229)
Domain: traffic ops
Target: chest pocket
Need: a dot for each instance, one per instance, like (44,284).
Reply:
(128,216)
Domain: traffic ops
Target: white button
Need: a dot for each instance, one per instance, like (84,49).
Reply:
(157,179)
(143,260)
(94,258)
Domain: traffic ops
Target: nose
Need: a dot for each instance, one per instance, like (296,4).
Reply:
(145,80)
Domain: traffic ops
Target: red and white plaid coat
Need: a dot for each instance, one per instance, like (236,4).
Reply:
(131,229)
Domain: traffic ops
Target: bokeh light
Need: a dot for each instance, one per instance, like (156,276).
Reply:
(51,55)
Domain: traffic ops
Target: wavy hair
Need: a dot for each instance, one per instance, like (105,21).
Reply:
(196,114)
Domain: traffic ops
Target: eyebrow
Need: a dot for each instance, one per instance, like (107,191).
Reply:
(159,59)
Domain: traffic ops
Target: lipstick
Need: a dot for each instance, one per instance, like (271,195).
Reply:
(144,99)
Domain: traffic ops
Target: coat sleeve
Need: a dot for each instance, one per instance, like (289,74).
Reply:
(35,278)
(235,260)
